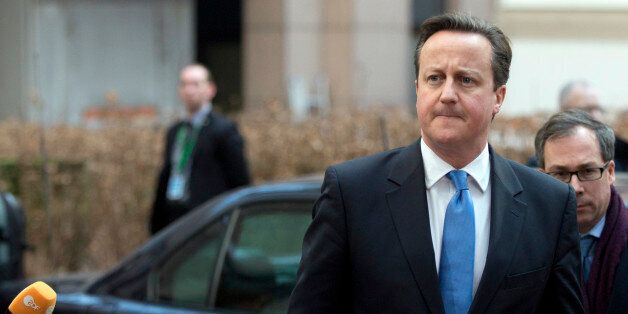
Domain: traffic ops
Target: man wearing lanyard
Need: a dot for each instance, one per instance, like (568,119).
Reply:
(204,153)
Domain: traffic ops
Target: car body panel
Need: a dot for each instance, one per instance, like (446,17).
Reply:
(135,272)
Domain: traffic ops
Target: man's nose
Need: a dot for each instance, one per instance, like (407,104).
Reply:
(575,183)
(448,93)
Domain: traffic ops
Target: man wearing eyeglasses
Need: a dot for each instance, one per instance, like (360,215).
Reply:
(578,150)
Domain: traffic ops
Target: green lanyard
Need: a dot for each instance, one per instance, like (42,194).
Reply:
(186,142)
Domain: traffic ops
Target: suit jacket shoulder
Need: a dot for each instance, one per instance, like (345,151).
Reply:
(531,179)
(221,125)
(397,164)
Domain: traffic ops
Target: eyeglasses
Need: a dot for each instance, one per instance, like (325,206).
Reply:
(587,174)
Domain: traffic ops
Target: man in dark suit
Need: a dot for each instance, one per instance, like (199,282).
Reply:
(577,149)
(204,153)
(444,225)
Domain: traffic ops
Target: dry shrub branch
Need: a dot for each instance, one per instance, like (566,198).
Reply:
(102,180)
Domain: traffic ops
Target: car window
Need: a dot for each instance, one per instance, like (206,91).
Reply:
(185,278)
(262,259)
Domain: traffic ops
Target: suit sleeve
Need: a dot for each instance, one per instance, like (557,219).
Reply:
(563,292)
(158,218)
(232,158)
(323,280)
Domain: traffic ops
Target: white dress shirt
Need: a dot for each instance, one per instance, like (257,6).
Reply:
(440,190)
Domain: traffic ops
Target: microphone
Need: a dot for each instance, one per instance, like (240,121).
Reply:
(38,298)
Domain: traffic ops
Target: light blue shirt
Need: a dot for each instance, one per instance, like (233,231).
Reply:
(198,118)
(177,188)
(588,241)
(596,231)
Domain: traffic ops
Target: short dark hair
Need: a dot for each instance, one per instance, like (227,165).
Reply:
(564,124)
(500,44)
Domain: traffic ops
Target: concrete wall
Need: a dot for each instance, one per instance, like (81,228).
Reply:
(72,53)
(383,53)
(361,50)
(481,8)
(264,52)
(13,54)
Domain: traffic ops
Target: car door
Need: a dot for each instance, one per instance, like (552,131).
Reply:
(173,273)
(262,257)
(238,258)
(184,278)
(245,262)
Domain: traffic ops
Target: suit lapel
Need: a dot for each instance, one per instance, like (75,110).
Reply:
(507,216)
(407,203)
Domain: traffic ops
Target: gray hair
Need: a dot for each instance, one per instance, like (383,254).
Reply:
(564,124)
(501,54)
(566,90)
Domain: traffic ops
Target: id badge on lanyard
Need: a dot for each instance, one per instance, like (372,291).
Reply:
(176,187)
(179,176)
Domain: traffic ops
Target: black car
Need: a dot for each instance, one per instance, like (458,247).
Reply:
(238,253)
(12,242)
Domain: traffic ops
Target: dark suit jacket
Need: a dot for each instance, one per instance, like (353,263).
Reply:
(369,247)
(218,165)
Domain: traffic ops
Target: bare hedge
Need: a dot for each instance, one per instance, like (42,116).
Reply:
(101,181)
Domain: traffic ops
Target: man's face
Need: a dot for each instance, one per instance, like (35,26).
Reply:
(456,100)
(194,88)
(584,98)
(578,151)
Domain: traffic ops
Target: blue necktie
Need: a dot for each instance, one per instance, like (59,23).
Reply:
(457,252)
(586,255)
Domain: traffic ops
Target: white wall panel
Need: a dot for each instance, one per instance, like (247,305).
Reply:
(541,66)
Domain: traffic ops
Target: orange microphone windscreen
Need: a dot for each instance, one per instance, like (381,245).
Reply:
(38,298)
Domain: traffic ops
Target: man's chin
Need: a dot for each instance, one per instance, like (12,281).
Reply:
(585,219)
(583,209)
(445,139)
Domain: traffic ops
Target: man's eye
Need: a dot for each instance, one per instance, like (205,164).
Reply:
(433,78)
(559,174)
(589,172)
(466,80)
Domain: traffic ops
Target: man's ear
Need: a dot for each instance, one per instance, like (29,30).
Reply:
(211,90)
(416,87)
(611,172)
(500,94)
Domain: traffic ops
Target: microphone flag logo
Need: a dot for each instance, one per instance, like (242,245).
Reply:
(29,301)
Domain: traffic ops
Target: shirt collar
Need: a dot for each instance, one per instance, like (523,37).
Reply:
(436,168)
(198,118)
(596,231)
